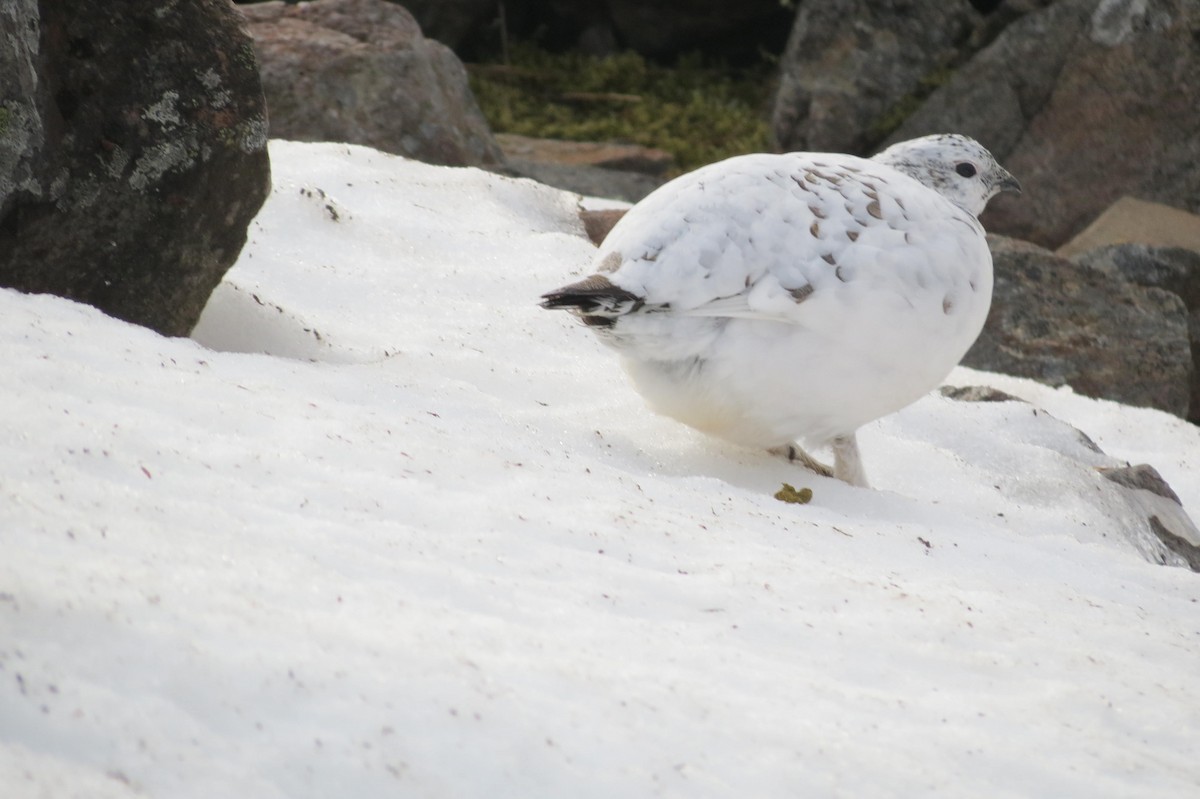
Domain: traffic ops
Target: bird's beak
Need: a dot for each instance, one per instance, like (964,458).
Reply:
(1007,182)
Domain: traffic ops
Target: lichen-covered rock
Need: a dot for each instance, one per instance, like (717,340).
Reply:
(360,71)
(132,153)
(853,67)
(1060,322)
(22,131)
(1085,101)
(1175,269)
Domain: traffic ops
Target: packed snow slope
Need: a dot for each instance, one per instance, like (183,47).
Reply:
(385,528)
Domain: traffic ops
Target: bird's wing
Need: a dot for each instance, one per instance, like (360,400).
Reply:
(783,236)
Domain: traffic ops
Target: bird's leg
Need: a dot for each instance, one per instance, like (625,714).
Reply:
(847,463)
(795,454)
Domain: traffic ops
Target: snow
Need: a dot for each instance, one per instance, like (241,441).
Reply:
(386,528)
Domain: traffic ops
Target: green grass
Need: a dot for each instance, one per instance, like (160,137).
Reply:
(698,112)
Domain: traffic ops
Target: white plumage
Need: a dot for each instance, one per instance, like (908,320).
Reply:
(770,299)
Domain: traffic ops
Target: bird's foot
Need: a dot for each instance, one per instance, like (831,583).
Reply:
(847,462)
(794,454)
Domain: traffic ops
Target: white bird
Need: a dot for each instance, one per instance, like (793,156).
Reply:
(775,299)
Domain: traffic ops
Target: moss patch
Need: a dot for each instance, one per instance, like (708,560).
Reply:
(696,111)
(789,493)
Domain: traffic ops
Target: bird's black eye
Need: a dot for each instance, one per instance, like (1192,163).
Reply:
(965,169)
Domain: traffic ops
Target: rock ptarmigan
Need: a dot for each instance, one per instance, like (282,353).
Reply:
(776,299)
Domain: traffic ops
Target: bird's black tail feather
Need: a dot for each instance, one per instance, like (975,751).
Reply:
(594,298)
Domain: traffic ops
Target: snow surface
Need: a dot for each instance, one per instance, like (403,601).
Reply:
(433,545)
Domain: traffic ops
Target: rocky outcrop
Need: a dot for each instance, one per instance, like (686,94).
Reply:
(1085,101)
(360,71)
(853,69)
(132,153)
(1173,269)
(1061,322)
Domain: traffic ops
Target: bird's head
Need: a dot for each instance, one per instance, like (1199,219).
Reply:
(956,166)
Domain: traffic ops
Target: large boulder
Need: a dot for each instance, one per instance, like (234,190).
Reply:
(360,71)
(1174,269)
(1085,101)
(1062,322)
(853,68)
(132,153)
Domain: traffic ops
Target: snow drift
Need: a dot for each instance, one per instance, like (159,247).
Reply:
(386,528)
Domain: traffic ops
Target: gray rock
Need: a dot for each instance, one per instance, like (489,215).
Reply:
(854,68)
(1168,521)
(977,394)
(1173,269)
(597,224)
(596,169)
(995,95)
(132,153)
(22,131)
(1060,322)
(360,71)
(1142,477)
(591,181)
(998,17)
(1084,101)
